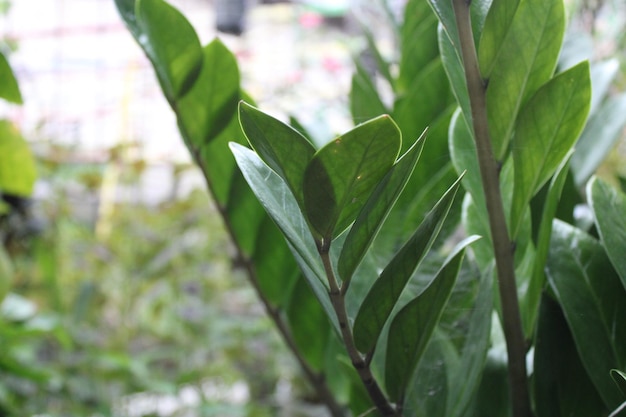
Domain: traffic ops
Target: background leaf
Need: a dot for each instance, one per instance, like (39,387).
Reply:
(562,386)
(527,59)
(341,175)
(609,208)
(9,89)
(17,164)
(545,131)
(593,302)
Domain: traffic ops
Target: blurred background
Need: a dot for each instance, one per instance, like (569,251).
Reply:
(124,300)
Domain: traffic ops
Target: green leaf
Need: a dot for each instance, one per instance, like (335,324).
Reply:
(609,208)
(17,165)
(381,64)
(280,146)
(561,384)
(211,104)
(473,355)
(278,201)
(385,292)
(594,304)
(6,273)
(413,325)
(365,103)
(620,379)
(341,175)
(9,89)
(529,302)
(172,45)
(431,87)
(309,324)
(375,211)
(282,207)
(602,131)
(454,70)
(497,25)
(527,59)
(420,23)
(546,130)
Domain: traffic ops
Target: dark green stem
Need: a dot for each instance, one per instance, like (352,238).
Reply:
(362,367)
(502,245)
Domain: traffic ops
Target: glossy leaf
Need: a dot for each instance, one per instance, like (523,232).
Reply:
(384,294)
(413,325)
(609,208)
(594,304)
(9,89)
(281,206)
(171,44)
(375,211)
(602,131)
(211,104)
(546,130)
(561,384)
(497,25)
(341,175)
(620,380)
(276,198)
(527,59)
(280,146)
(529,302)
(17,164)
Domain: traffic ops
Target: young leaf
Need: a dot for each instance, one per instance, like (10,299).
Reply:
(546,130)
(376,210)
(172,45)
(594,304)
(527,59)
(497,25)
(280,146)
(609,208)
(9,89)
(384,294)
(341,175)
(412,327)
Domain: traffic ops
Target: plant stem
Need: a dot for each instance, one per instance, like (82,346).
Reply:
(359,363)
(502,245)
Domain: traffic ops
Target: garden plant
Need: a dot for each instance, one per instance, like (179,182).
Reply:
(427,262)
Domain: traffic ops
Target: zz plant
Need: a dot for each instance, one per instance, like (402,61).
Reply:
(351,249)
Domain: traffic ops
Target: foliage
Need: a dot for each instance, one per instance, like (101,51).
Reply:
(362,223)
